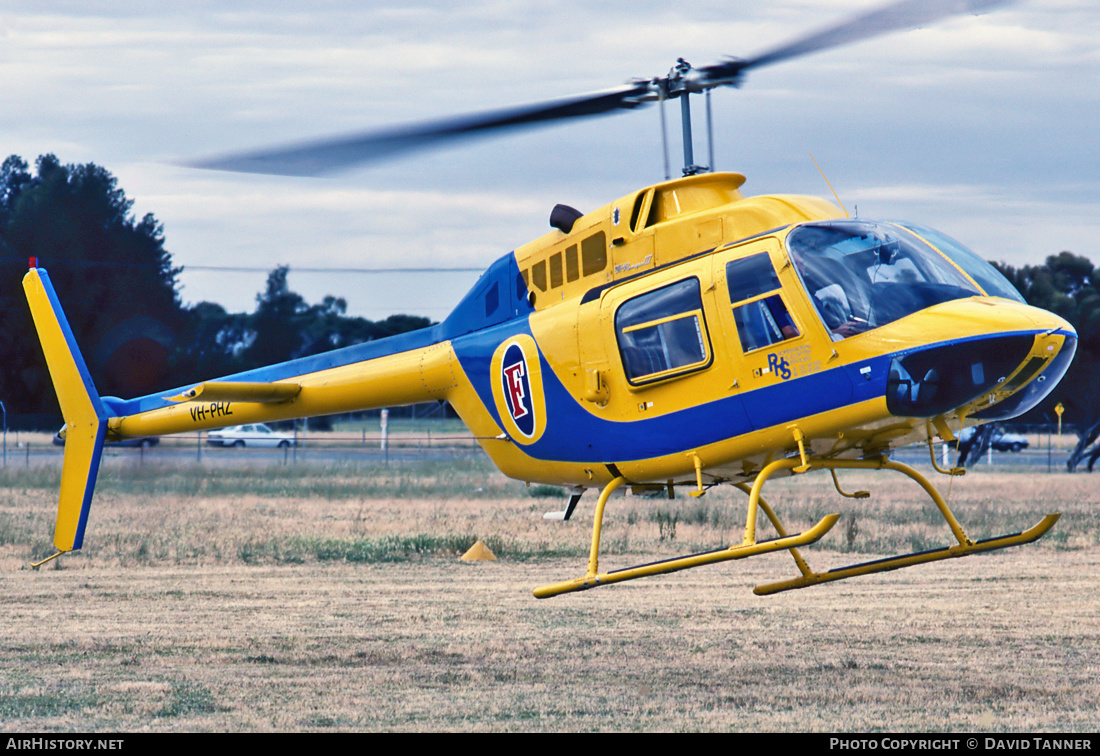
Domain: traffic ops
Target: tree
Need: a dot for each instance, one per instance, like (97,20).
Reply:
(214,345)
(277,323)
(1067,285)
(285,327)
(111,271)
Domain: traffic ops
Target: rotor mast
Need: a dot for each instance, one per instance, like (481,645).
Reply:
(682,81)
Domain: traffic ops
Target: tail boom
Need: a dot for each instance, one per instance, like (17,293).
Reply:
(422,374)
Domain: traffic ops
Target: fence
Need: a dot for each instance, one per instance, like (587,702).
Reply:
(404,439)
(1036,448)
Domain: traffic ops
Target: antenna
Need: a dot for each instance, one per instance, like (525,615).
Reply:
(846,213)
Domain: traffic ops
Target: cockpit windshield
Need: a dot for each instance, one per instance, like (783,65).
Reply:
(863,275)
(984,274)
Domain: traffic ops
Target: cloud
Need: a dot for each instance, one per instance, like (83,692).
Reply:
(978,122)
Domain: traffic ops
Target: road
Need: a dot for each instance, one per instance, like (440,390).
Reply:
(183,450)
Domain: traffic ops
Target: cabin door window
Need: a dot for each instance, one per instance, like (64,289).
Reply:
(662,333)
(759,311)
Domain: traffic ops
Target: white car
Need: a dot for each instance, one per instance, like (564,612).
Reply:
(1009,442)
(1002,440)
(256,434)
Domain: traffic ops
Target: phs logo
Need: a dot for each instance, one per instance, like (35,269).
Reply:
(517,389)
(779,366)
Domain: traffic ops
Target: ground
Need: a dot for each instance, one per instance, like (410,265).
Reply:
(211,608)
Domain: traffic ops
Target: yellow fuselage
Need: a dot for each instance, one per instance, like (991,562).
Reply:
(683,334)
(552,305)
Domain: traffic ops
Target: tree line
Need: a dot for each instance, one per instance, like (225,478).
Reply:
(121,294)
(1069,285)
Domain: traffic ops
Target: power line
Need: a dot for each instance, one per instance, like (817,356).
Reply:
(292,269)
(238,268)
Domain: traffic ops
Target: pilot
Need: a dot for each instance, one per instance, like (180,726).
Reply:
(836,311)
(831,299)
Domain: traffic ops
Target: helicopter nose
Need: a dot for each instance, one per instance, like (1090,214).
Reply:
(1015,372)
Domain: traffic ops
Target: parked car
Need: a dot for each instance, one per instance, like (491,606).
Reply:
(1009,442)
(255,434)
(1002,440)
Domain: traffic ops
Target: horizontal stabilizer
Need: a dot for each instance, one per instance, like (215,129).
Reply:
(239,391)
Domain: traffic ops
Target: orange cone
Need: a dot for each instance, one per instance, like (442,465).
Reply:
(479,552)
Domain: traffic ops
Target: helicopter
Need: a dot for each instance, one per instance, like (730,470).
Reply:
(681,337)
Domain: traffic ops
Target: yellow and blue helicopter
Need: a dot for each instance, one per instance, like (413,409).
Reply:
(681,337)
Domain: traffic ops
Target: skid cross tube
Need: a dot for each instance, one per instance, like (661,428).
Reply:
(848,464)
(743,550)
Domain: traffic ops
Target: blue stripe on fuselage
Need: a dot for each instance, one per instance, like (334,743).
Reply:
(573,434)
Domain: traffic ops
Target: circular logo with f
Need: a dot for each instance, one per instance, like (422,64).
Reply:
(517,389)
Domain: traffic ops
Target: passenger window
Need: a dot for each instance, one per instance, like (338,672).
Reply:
(765,321)
(555,270)
(594,254)
(492,299)
(538,275)
(663,333)
(572,269)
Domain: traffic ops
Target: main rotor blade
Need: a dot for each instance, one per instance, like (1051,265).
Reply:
(905,14)
(325,156)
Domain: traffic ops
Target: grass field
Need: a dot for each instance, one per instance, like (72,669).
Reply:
(321,598)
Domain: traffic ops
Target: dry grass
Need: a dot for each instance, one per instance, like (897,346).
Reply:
(234,611)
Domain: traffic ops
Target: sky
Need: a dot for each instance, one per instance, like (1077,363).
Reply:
(981,126)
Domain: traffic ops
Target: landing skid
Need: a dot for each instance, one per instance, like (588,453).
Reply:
(964,546)
(908,560)
(750,546)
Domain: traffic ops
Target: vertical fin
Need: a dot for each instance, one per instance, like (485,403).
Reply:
(85,414)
